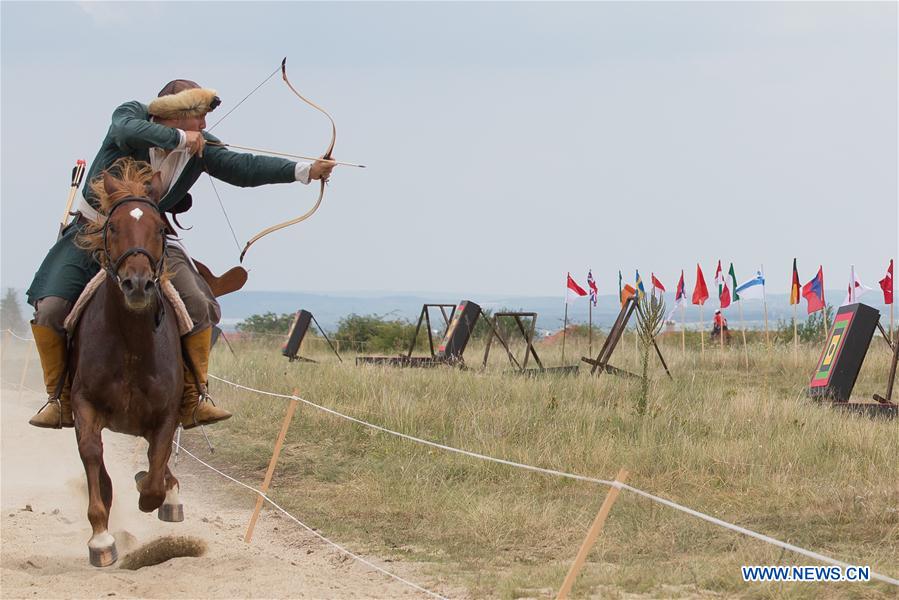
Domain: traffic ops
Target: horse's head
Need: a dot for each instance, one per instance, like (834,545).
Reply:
(134,235)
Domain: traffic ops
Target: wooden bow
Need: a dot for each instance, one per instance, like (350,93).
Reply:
(326,156)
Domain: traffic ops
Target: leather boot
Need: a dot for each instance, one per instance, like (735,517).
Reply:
(57,412)
(196,406)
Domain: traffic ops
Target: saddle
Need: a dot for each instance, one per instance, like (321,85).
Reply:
(232,280)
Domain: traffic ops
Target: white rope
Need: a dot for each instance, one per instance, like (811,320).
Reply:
(753,534)
(669,503)
(422,441)
(13,333)
(309,529)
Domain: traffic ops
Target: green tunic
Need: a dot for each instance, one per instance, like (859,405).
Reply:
(67,268)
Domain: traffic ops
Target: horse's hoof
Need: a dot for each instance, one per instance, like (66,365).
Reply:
(171,513)
(138,477)
(103,557)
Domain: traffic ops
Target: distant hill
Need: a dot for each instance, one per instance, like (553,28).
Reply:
(330,308)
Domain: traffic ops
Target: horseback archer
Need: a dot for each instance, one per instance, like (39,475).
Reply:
(170,135)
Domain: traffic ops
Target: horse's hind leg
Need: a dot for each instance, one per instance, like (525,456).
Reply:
(101,546)
(171,510)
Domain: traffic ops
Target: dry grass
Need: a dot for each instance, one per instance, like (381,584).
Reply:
(742,445)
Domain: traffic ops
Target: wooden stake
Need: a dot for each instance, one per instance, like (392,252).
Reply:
(592,535)
(795,334)
(721,333)
(25,369)
(743,331)
(589,328)
(564,330)
(765,306)
(891,322)
(683,328)
(291,408)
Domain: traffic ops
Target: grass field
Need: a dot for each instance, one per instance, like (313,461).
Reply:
(744,445)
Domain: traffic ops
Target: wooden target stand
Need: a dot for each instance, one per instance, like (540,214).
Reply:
(528,332)
(297,334)
(848,342)
(601,362)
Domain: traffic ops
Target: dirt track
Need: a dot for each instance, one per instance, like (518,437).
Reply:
(45,531)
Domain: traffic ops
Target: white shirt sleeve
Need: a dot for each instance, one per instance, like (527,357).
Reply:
(301,172)
(183,143)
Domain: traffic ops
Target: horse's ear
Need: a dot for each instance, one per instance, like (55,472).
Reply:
(111,184)
(155,191)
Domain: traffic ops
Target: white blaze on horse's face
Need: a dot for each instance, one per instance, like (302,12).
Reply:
(137,214)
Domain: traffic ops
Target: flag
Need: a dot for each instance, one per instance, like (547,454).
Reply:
(700,291)
(754,288)
(794,287)
(591,284)
(719,279)
(724,297)
(813,292)
(886,284)
(854,292)
(733,283)
(628,292)
(656,284)
(574,291)
(680,295)
(641,291)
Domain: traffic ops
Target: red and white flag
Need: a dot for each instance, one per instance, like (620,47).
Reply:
(854,292)
(656,284)
(886,284)
(724,297)
(574,291)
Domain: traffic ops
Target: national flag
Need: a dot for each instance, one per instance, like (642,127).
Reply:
(574,291)
(719,279)
(754,288)
(724,297)
(591,284)
(733,283)
(641,291)
(626,293)
(680,295)
(886,284)
(854,292)
(813,292)
(656,284)
(700,291)
(794,286)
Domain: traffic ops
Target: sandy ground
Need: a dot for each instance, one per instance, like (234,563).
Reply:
(43,540)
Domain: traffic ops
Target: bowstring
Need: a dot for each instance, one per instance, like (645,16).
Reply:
(211,181)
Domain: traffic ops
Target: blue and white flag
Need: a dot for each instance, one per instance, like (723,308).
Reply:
(754,288)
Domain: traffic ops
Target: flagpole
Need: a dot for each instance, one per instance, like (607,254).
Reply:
(743,328)
(701,332)
(590,326)
(765,307)
(795,334)
(683,327)
(721,327)
(565,329)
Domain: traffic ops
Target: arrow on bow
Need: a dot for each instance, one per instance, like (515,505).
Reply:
(326,156)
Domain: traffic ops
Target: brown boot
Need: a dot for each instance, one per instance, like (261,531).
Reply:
(57,412)
(196,406)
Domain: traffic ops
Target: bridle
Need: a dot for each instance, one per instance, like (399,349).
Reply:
(112,266)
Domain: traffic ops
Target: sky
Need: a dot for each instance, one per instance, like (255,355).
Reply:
(506,143)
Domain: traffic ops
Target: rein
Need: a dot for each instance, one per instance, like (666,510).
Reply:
(112,266)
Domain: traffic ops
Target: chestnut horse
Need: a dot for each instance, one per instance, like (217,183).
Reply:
(125,359)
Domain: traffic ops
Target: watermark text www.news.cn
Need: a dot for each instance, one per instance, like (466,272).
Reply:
(805,573)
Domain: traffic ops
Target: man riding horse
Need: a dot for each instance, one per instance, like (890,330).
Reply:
(169,135)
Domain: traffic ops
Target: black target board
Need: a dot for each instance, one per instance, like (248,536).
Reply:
(844,353)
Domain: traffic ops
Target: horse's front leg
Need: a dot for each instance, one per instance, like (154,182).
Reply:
(88,428)
(151,484)
(171,510)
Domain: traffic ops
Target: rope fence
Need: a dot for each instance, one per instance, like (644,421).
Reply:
(553,472)
(664,501)
(280,509)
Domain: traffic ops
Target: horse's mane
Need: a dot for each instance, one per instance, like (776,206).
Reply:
(135,178)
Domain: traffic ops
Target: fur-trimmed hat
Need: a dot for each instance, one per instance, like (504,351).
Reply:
(183,98)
